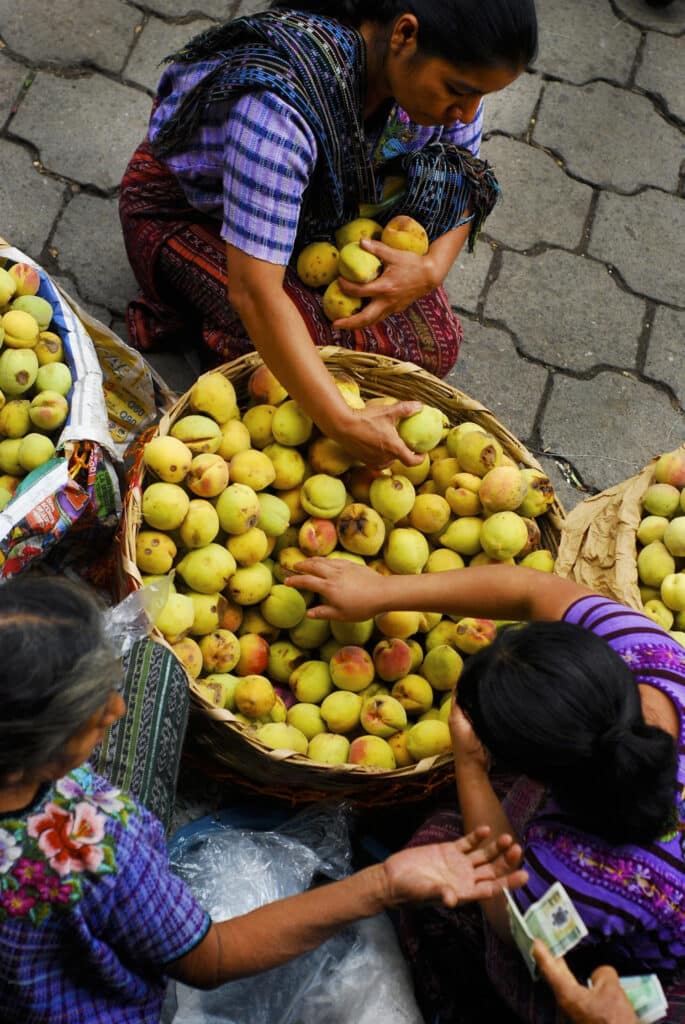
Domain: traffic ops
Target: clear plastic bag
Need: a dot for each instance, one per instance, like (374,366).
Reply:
(132,618)
(356,977)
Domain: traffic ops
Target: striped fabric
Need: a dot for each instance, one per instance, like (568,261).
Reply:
(249,162)
(141,752)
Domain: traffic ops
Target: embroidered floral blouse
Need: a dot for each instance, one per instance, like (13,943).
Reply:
(89,911)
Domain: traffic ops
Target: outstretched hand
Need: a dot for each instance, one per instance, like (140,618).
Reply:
(472,868)
(406,277)
(604,1003)
(349,592)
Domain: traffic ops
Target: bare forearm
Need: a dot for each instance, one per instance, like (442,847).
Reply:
(478,802)
(280,931)
(280,336)
(491,591)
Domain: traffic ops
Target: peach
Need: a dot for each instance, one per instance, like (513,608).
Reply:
(403,232)
(654,563)
(310,633)
(392,497)
(328,748)
(284,658)
(406,551)
(317,536)
(199,433)
(207,569)
(176,617)
(355,230)
(208,613)
(155,551)
(442,667)
(200,524)
(361,530)
(383,716)
(423,430)
(26,278)
(356,633)
(674,537)
(414,693)
(297,515)
(274,514)
(392,659)
(478,452)
(238,508)
(254,696)
(283,607)
(207,476)
(250,547)
(359,480)
(542,560)
(443,472)
(307,718)
(428,739)
(220,651)
(442,560)
(658,612)
(281,736)
(253,468)
(670,468)
(254,655)
(398,744)
(164,505)
(473,634)
(539,493)
(49,348)
(214,395)
(311,681)
(463,535)
(651,528)
(503,535)
(327,456)
(264,387)
(168,458)
(372,752)
(48,410)
(661,500)
(317,264)
(258,421)
(341,710)
(503,489)
(250,584)
(430,513)
(254,622)
(189,654)
(398,624)
(235,437)
(289,467)
(352,668)
(230,615)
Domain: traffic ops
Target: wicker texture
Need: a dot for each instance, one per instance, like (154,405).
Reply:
(232,753)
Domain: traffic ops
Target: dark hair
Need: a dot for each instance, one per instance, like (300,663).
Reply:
(554,701)
(56,668)
(469,33)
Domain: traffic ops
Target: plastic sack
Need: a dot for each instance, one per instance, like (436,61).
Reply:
(357,976)
(114,396)
(132,619)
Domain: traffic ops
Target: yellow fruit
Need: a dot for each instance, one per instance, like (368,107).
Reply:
(317,264)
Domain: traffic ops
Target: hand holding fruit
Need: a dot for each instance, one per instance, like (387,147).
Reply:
(406,277)
(371,436)
(473,868)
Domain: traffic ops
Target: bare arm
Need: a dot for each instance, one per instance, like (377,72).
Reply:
(406,277)
(471,868)
(354,592)
(280,336)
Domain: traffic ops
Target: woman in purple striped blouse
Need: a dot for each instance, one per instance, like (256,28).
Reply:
(269,132)
(584,705)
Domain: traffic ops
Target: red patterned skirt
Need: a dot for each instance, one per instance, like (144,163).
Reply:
(179,260)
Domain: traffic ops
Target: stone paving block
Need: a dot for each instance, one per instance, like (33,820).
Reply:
(29,201)
(539,203)
(665,19)
(157,40)
(12,75)
(566,310)
(89,243)
(174,369)
(666,354)
(661,71)
(583,41)
(85,128)
(490,370)
(632,145)
(511,109)
(644,237)
(100,313)
(246,7)
(62,32)
(467,276)
(220,10)
(609,427)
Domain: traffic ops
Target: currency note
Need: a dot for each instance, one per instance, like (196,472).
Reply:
(646,996)
(553,918)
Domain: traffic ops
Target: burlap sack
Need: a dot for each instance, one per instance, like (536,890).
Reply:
(598,545)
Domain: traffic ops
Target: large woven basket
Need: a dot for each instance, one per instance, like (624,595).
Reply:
(220,744)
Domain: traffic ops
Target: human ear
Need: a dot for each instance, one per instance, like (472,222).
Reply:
(405,34)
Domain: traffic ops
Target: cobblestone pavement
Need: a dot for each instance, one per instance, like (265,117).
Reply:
(574,303)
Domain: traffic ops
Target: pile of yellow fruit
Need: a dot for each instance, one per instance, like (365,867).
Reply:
(34,378)
(322,264)
(238,500)
(661,545)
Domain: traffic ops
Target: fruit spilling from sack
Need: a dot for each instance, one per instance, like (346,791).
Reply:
(35,379)
(233,501)
(661,545)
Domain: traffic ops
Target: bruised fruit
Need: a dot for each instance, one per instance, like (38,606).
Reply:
(155,552)
(207,475)
(168,458)
(18,371)
(361,530)
(337,305)
(199,433)
(402,232)
(317,264)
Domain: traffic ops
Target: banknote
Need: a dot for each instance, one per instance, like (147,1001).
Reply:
(646,996)
(553,918)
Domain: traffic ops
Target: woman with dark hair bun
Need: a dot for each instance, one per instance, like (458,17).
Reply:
(273,131)
(581,712)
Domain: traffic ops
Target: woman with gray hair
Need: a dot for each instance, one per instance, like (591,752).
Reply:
(92,921)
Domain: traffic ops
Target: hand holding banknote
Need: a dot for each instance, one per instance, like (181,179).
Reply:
(604,1003)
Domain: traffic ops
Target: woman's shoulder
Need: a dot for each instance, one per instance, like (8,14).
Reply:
(626,630)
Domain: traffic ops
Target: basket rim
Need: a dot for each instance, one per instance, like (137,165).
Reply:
(374,374)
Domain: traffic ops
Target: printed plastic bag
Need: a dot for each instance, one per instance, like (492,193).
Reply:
(114,396)
(357,976)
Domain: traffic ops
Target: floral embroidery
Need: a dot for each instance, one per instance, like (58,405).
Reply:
(43,858)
